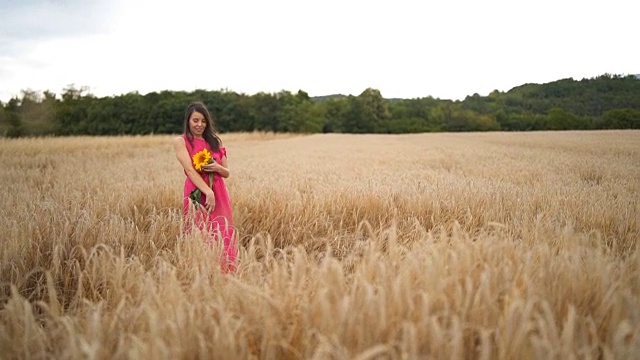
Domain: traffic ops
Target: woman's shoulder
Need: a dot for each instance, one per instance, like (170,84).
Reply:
(178,139)
(221,148)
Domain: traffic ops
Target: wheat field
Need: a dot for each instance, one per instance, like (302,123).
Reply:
(425,246)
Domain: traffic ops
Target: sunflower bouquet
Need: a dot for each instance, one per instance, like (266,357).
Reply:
(199,161)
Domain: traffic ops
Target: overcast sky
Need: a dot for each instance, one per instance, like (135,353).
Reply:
(446,49)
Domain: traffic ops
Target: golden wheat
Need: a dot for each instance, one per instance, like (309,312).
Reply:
(456,246)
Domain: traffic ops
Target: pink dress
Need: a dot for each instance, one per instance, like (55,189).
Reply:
(219,223)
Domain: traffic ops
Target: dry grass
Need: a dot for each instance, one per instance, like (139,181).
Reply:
(451,246)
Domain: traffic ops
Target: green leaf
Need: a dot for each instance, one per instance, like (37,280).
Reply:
(195,195)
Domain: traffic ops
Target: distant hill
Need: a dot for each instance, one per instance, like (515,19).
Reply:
(604,102)
(545,90)
(324,98)
(588,97)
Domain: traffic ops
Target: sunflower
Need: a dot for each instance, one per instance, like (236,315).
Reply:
(201,159)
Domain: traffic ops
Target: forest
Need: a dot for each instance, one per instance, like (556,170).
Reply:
(607,101)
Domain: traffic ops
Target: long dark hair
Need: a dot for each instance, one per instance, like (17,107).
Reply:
(210,134)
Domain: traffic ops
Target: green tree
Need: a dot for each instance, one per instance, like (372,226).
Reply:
(621,119)
(368,113)
(335,113)
(560,119)
(237,115)
(265,110)
(299,114)
(414,115)
(12,115)
(71,114)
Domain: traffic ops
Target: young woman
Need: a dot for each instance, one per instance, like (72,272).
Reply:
(209,208)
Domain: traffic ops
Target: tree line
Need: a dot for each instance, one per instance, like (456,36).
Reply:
(603,102)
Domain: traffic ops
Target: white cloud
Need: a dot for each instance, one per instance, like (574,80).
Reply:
(446,49)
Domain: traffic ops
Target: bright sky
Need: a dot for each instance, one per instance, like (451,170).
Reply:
(446,48)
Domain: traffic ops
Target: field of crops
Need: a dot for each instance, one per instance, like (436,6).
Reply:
(445,246)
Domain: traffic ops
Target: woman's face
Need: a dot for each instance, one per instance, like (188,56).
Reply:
(197,124)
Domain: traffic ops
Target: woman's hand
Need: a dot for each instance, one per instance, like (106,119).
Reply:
(210,201)
(220,167)
(213,167)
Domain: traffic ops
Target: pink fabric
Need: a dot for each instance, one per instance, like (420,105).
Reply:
(219,223)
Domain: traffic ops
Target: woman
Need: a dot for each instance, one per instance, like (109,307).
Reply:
(210,208)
